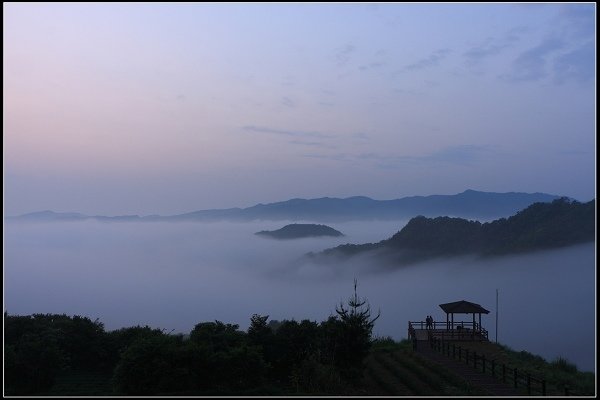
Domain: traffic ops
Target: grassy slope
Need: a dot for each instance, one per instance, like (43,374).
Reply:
(557,373)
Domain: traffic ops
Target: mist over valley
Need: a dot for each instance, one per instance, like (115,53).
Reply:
(173,276)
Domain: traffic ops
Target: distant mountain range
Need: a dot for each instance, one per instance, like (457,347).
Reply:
(468,204)
(540,226)
(297,231)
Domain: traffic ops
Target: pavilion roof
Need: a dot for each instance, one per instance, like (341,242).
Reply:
(463,307)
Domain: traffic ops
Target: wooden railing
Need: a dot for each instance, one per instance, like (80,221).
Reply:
(518,379)
(455,331)
(411,331)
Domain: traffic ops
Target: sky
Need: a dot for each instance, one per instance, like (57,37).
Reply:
(157,108)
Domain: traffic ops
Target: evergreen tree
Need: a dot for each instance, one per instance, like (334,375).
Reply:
(355,332)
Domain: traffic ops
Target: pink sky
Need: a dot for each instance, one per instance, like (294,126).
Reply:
(167,108)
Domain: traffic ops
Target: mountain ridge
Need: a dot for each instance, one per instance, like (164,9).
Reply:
(540,226)
(469,203)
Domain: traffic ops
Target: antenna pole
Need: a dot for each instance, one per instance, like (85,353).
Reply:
(496,315)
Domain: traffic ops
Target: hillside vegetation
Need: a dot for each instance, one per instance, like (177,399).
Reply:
(57,355)
(540,226)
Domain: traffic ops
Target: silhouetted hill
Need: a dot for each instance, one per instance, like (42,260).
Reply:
(49,216)
(468,204)
(296,231)
(562,222)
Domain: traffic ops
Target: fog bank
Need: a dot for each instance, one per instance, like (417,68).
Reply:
(174,275)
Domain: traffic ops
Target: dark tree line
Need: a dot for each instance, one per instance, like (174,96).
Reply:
(270,358)
(540,226)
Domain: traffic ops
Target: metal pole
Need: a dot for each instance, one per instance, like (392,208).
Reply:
(496,315)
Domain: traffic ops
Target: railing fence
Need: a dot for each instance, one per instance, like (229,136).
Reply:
(518,379)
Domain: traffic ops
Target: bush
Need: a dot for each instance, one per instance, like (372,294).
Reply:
(564,365)
(160,364)
(310,376)
(31,365)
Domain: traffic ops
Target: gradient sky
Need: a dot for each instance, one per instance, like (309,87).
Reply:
(168,108)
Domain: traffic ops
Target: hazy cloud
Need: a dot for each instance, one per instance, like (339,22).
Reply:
(462,155)
(288,80)
(531,64)
(343,157)
(458,155)
(568,52)
(361,136)
(407,91)
(313,144)
(514,34)
(491,47)
(259,129)
(578,20)
(286,101)
(431,61)
(576,153)
(372,65)
(477,54)
(326,104)
(378,62)
(578,65)
(342,55)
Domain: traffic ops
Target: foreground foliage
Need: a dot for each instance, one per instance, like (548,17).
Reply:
(59,355)
(284,357)
(277,358)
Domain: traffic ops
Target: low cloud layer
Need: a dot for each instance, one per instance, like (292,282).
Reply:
(174,275)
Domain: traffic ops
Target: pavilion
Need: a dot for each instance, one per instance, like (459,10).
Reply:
(463,307)
(451,330)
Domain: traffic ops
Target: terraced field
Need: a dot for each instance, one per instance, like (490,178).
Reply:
(402,372)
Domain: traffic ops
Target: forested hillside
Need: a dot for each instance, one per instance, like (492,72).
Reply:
(562,222)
